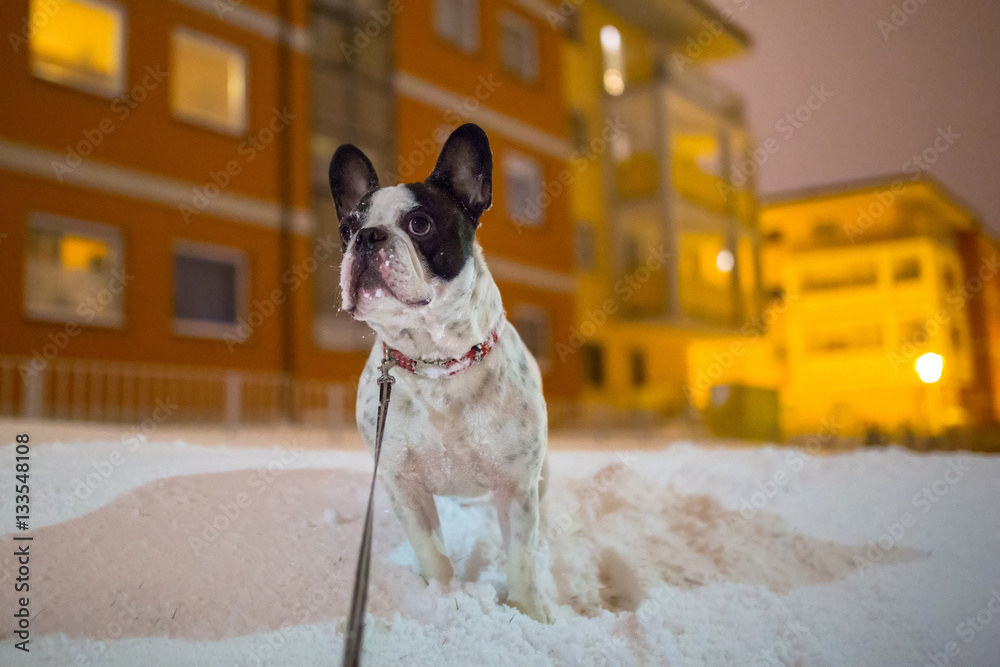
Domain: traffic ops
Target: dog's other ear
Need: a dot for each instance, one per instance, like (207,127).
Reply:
(352,176)
(465,170)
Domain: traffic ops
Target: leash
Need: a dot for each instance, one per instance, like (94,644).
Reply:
(355,622)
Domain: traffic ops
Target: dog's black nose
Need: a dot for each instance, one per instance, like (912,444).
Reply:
(370,238)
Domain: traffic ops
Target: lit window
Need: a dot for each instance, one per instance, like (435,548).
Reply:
(457,21)
(80,43)
(74,272)
(523,189)
(614,61)
(209,289)
(208,82)
(532,324)
(519,46)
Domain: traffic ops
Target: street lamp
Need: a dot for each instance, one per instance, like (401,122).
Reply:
(725,261)
(929,367)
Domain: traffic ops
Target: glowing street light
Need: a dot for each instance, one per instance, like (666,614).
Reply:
(614,61)
(725,261)
(929,367)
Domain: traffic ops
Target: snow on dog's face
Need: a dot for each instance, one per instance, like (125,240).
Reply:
(410,246)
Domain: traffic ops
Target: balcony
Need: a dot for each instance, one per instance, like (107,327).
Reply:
(688,128)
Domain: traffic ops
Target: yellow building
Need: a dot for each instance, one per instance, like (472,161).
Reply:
(877,334)
(665,220)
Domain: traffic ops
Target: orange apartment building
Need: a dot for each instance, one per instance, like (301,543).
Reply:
(497,63)
(166,230)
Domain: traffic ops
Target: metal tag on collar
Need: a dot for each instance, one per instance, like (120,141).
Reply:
(387,363)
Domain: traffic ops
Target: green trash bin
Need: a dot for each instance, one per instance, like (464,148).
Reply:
(744,412)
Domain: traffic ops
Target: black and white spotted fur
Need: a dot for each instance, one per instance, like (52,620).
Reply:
(415,273)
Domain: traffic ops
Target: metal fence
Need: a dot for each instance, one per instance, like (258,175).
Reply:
(122,392)
(112,391)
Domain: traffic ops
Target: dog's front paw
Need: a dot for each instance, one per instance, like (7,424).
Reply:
(534,608)
(439,568)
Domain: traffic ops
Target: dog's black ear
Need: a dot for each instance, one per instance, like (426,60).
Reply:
(352,176)
(465,170)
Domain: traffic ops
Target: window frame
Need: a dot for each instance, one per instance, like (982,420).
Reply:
(529,33)
(111,234)
(512,163)
(235,129)
(191,328)
(117,89)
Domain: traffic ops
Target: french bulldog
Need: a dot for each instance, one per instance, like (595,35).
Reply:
(467,415)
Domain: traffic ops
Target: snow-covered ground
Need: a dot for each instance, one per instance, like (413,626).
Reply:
(215,548)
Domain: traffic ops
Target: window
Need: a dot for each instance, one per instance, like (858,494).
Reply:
(593,365)
(637,367)
(74,271)
(631,253)
(826,233)
(523,189)
(586,252)
(352,102)
(80,44)
(457,21)
(949,279)
(571,21)
(835,339)
(208,82)
(579,134)
(532,323)
(519,46)
(614,61)
(332,329)
(906,270)
(210,288)
(846,276)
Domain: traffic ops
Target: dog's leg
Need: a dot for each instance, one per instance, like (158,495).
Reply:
(518,509)
(416,510)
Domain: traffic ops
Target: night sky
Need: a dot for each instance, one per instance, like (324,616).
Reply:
(892,90)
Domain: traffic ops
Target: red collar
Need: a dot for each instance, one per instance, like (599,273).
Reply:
(439,368)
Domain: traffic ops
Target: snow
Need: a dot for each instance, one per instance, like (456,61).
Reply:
(198,547)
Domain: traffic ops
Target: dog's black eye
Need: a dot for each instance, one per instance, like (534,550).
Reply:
(345,233)
(420,225)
